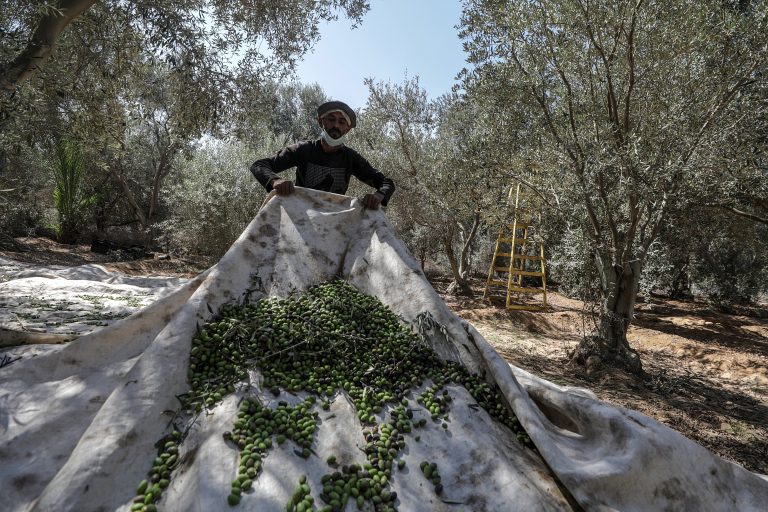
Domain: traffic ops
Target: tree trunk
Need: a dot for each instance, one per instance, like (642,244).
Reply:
(460,268)
(609,344)
(68,230)
(466,248)
(162,168)
(42,42)
(681,285)
(459,285)
(129,196)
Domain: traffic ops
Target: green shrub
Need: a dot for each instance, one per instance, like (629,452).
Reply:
(211,200)
(69,197)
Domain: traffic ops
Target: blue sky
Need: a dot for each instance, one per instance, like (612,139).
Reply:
(396,37)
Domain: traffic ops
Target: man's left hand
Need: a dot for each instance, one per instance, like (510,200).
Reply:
(372,201)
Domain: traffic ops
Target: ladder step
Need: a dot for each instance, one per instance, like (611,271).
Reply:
(503,254)
(497,282)
(526,257)
(526,273)
(519,272)
(508,240)
(520,289)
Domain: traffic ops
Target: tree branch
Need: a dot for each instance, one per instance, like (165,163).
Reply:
(535,191)
(613,109)
(42,43)
(630,64)
(740,213)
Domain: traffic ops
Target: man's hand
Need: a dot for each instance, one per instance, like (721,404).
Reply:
(372,201)
(283,187)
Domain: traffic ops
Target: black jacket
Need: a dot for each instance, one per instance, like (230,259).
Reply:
(320,170)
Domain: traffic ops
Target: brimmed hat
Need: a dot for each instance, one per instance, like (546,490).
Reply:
(338,106)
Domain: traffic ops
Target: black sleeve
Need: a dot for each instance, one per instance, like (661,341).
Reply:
(266,169)
(366,173)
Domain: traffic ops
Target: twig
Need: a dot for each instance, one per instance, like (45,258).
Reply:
(8,360)
(23,327)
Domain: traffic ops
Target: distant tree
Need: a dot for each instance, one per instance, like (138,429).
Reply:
(709,254)
(210,200)
(624,103)
(426,146)
(284,112)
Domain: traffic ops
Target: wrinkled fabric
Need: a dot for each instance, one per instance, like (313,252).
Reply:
(78,422)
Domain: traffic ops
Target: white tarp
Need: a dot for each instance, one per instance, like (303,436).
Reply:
(54,304)
(78,421)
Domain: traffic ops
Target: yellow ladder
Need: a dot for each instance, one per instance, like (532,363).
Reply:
(505,280)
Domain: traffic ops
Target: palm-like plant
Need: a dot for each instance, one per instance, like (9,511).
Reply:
(68,195)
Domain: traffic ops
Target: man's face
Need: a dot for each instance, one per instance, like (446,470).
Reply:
(334,124)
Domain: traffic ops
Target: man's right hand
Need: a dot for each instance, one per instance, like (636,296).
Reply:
(283,187)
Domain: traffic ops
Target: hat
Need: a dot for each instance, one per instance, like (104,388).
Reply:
(338,106)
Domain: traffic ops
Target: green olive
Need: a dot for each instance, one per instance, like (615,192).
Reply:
(297,343)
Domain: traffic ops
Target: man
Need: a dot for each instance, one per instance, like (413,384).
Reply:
(326,163)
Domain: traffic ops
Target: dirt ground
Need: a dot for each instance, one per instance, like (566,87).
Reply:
(707,370)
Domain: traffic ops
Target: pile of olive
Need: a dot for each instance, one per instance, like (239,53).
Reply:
(149,491)
(429,469)
(436,404)
(253,431)
(360,484)
(301,500)
(329,338)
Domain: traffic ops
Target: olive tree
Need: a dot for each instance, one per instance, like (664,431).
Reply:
(210,200)
(192,29)
(624,103)
(278,114)
(709,254)
(433,151)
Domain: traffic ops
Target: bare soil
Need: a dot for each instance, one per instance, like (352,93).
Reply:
(46,252)
(707,371)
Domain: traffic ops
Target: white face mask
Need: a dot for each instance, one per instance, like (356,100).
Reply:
(331,141)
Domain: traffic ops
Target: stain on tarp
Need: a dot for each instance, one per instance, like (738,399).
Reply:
(268,230)
(674,491)
(23,481)
(476,502)
(128,439)
(188,458)
(619,431)
(321,256)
